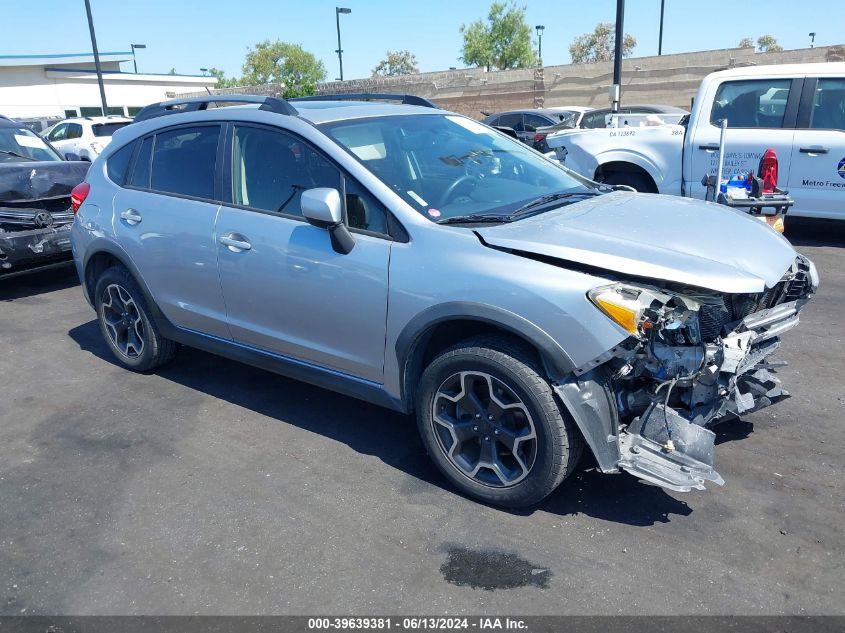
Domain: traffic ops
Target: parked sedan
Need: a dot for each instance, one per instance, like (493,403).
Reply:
(526,122)
(85,136)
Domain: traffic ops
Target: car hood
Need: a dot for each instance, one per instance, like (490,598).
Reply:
(654,236)
(39,180)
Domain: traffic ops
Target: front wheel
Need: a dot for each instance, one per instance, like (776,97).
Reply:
(491,424)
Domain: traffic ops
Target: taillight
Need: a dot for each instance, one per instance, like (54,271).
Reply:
(539,137)
(768,170)
(78,195)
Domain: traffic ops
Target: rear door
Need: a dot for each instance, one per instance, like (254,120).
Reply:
(164,219)
(761,114)
(817,178)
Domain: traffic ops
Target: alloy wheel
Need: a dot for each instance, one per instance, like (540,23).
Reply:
(484,429)
(122,321)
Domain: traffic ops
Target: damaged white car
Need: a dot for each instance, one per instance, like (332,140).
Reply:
(422,261)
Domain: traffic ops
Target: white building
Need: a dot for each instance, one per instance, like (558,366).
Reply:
(61,86)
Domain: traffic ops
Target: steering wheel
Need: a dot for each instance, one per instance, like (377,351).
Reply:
(451,189)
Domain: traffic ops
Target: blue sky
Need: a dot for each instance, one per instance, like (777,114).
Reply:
(192,34)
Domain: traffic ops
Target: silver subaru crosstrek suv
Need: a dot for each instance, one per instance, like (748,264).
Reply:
(422,261)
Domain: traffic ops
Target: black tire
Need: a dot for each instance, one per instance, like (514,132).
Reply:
(511,365)
(631,179)
(145,347)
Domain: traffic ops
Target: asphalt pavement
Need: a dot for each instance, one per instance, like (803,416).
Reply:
(215,488)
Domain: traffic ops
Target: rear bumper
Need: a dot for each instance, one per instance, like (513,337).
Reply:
(31,249)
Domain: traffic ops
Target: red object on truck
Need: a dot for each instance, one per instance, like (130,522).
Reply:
(768,170)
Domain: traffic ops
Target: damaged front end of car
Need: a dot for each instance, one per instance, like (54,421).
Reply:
(692,358)
(36,214)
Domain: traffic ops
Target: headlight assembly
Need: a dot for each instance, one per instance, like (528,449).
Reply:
(637,309)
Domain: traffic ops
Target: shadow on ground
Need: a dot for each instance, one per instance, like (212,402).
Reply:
(38,283)
(813,232)
(387,435)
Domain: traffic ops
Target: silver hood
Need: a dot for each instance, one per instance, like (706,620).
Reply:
(660,237)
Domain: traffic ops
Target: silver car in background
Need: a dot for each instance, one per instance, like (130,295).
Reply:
(422,261)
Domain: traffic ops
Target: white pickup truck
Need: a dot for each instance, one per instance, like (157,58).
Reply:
(796,109)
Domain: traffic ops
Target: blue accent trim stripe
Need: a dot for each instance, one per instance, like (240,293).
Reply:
(119,72)
(60,55)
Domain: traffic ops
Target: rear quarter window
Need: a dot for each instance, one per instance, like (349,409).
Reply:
(118,164)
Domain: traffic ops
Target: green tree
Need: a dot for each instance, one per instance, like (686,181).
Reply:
(768,44)
(599,45)
(285,63)
(222,81)
(396,63)
(503,42)
(746,42)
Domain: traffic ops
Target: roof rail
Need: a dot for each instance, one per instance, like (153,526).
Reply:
(372,96)
(193,104)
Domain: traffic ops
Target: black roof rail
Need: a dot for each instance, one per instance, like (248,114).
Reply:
(372,96)
(193,104)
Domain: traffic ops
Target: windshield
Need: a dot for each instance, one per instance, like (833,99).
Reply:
(22,144)
(107,129)
(446,166)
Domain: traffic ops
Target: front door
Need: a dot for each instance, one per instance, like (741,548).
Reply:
(758,119)
(286,290)
(817,178)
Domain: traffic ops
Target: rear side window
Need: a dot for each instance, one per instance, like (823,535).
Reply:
(513,121)
(829,105)
(594,120)
(184,160)
(118,164)
(758,103)
(141,169)
(532,122)
(107,129)
(74,130)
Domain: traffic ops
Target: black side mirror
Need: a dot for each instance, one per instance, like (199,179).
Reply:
(72,156)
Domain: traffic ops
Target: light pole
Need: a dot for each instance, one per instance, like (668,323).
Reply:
(540,28)
(96,58)
(134,61)
(812,39)
(660,37)
(203,71)
(339,51)
(616,90)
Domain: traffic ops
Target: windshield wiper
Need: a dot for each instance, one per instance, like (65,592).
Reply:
(473,218)
(529,207)
(11,153)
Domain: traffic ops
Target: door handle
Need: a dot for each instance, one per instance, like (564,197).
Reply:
(235,243)
(814,149)
(709,148)
(131,216)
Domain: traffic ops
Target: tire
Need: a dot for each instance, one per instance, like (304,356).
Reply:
(631,179)
(125,322)
(460,440)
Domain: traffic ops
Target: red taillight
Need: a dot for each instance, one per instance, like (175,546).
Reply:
(78,195)
(768,170)
(539,137)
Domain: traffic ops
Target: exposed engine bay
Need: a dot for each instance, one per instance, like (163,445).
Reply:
(693,358)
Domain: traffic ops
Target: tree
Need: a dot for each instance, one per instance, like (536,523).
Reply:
(746,42)
(222,81)
(503,42)
(599,45)
(768,44)
(397,63)
(284,63)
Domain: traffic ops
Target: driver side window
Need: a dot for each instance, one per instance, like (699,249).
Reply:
(271,169)
(58,133)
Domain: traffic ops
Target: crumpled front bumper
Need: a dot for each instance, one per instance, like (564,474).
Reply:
(673,447)
(33,248)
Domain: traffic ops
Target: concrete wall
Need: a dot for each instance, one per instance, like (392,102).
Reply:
(665,79)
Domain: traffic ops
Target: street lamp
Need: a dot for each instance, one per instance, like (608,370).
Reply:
(339,51)
(540,28)
(660,37)
(203,71)
(812,39)
(96,57)
(134,62)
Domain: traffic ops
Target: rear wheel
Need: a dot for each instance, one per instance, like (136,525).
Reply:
(125,322)
(491,424)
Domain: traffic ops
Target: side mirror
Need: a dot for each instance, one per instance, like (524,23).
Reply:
(322,208)
(72,156)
